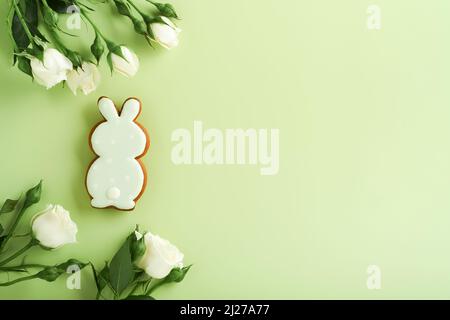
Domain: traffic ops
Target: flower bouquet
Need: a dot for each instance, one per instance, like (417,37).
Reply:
(144,262)
(39,51)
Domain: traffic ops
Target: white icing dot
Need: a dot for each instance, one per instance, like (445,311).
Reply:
(113,141)
(113,193)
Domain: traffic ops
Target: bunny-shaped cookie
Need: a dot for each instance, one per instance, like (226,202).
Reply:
(117,178)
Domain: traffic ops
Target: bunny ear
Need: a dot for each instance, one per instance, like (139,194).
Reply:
(131,109)
(107,108)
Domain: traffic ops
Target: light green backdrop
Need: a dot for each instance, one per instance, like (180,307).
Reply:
(364,119)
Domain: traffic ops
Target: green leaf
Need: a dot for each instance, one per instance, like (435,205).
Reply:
(8,206)
(138,23)
(2,238)
(50,17)
(36,51)
(1,229)
(19,35)
(96,279)
(49,274)
(121,268)
(166,9)
(123,8)
(177,274)
(140,26)
(139,297)
(33,196)
(117,50)
(137,247)
(65,265)
(101,278)
(109,60)
(97,48)
(14,269)
(74,57)
(52,273)
(30,14)
(24,66)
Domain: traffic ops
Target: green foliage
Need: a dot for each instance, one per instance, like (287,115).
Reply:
(35,51)
(97,48)
(101,278)
(137,247)
(49,15)
(121,269)
(177,274)
(24,65)
(121,275)
(27,16)
(47,273)
(9,206)
(74,57)
(52,273)
(30,16)
(33,196)
(165,9)
(19,35)
(125,279)
(71,262)
(124,9)
(113,49)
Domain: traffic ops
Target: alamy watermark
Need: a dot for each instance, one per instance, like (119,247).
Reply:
(374,17)
(374,277)
(73,281)
(73,21)
(227,147)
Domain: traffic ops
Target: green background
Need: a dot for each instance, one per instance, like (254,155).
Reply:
(364,119)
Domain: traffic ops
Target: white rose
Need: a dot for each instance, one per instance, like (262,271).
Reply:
(128,66)
(166,34)
(54,228)
(86,78)
(160,257)
(52,69)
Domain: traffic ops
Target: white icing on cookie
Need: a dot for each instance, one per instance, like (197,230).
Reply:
(116,178)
